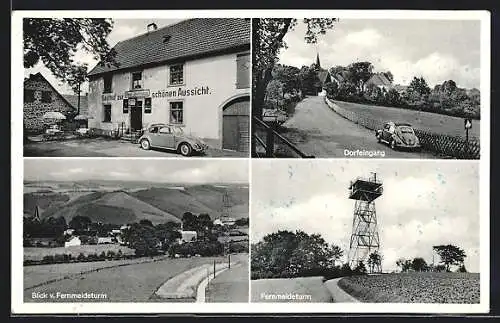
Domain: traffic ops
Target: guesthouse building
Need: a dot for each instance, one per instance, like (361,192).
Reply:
(41,97)
(194,74)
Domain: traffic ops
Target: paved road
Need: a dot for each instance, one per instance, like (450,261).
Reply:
(101,147)
(231,285)
(319,131)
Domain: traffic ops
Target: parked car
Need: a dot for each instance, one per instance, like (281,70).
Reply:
(398,135)
(54,129)
(274,115)
(159,135)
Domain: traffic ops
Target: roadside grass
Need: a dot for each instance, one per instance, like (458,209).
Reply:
(132,282)
(432,122)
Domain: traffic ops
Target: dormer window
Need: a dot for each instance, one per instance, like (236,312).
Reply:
(136,80)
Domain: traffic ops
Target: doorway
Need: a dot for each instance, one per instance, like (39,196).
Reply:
(235,125)
(136,116)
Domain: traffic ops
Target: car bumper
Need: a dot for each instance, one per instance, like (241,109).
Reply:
(408,146)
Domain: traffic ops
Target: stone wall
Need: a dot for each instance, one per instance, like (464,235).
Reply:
(33,111)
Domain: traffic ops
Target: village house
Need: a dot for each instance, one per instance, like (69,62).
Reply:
(187,236)
(195,74)
(41,97)
(73,241)
(378,80)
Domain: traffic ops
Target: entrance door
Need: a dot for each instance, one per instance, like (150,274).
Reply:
(235,125)
(136,116)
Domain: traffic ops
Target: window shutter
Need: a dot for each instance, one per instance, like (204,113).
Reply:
(243,71)
(125,105)
(147,105)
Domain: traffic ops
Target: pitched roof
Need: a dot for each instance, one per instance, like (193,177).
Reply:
(379,79)
(39,77)
(188,38)
(73,100)
(322,75)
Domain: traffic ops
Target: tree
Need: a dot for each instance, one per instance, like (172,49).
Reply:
(267,41)
(54,42)
(359,73)
(308,79)
(332,90)
(288,76)
(393,98)
(404,264)
(360,268)
(419,264)
(418,91)
(461,269)
(189,221)
(374,261)
(274,91)
(450,255)
(76,76)
(80,223)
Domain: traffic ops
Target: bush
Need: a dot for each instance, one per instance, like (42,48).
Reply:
(49,259)
(110,254)
(81,257)
(102,256)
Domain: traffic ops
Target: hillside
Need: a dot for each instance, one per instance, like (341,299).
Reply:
(157,204)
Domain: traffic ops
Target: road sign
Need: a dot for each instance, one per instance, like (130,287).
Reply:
(467,123)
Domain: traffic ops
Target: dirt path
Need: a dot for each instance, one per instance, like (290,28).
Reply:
(338,294)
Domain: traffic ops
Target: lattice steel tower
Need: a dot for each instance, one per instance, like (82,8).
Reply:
(226,206)
(364,238)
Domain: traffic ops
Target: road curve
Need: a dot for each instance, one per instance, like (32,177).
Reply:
(338,294)
(319,131)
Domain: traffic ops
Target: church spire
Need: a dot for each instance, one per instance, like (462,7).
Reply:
(317,60)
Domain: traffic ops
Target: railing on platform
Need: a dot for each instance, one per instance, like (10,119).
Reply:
(268,143)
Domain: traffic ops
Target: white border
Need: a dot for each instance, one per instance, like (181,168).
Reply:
(17,305)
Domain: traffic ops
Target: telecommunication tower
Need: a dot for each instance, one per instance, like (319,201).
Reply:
(226,206)
(364,238)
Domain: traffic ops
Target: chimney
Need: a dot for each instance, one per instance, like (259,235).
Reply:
(152,27)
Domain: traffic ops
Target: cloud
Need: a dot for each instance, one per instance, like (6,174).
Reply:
(365,37)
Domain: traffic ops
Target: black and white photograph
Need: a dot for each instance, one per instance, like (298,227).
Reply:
(136,87)
(342,231)
(138,231)
(366,88)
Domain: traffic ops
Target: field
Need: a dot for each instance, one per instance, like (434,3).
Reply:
(433,122)
(31,253)
(305,289)
(120,281)
(460,288)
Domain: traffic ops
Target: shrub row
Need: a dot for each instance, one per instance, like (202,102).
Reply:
(69,258)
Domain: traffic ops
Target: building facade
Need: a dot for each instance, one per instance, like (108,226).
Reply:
(41,97)
(195,74)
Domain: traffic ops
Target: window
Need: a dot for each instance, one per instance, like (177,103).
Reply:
(136,80)
(177,74)
(147,105)
(176,113)
(165,130)
(107,113)
(29,95)
(108,81)
(243,71)
(125,106)
(46,97)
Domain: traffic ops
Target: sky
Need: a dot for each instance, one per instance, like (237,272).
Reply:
(155,170)
(424,203)
(122,29)
(438,50)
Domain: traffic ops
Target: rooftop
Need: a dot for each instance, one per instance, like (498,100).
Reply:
(186,39)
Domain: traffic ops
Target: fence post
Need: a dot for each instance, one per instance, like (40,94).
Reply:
(214,268)
(269,142)
(229,261)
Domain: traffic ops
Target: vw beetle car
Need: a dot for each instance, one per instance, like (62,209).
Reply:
(398,135)
(160,135)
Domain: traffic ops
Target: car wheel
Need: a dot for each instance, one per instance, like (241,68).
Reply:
(379,137)
(145,144)
(185,149)
(393,144)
